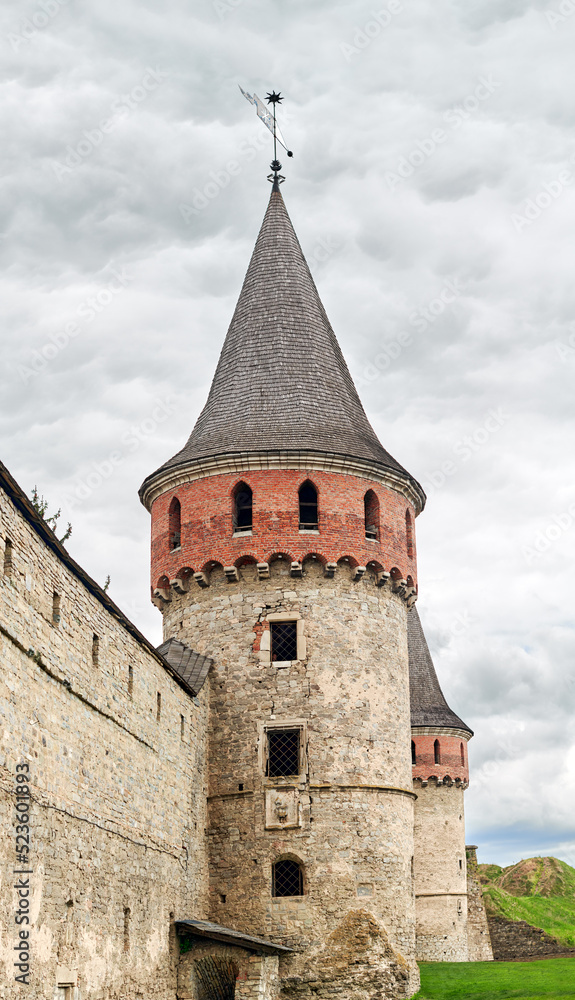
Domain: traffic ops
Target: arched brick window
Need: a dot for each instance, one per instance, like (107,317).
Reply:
(175,523)
(371,514)
(462,752)
(287,878)
(307,506)
(437,752)
(243,507)
(409,533)
(413,753)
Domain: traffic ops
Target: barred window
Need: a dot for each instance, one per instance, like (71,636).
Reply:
(287,878)
(437,752)
(283,640)
(283,757)
(371,514)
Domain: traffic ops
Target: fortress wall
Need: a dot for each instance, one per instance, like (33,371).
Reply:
(118,801)
(349,813)
(440,874)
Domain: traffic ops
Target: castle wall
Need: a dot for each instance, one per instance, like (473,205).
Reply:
(478,936)
(348,815)
(208,536)
(117,812)
(440,873)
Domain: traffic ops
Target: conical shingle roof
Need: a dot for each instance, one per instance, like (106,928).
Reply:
(282,384)
(428,704)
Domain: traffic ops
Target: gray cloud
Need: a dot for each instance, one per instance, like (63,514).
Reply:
(81,202)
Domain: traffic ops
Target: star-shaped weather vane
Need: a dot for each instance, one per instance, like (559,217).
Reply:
(269,120)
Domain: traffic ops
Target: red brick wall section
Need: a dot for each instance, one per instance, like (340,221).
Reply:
(206,518)
(450,754)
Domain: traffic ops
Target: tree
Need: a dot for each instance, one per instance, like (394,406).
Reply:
(41,507)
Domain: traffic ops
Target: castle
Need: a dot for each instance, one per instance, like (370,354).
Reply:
(270,804)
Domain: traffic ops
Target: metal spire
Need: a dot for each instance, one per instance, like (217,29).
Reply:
(270,122)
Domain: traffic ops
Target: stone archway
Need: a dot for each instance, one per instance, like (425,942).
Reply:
(216,978)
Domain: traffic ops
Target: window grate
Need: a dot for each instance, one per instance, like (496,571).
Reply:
(283,640)
(283,753)
(287,878)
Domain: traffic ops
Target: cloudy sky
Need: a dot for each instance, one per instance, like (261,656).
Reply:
(433,191)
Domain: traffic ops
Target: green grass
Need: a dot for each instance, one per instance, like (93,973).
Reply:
(552,979)
(553,914)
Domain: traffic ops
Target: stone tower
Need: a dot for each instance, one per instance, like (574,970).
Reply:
(440,776)
(283,547)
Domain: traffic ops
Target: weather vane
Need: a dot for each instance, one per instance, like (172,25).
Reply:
(269,120)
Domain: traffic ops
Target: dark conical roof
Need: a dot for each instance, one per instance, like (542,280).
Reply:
(428,704)
(282,383)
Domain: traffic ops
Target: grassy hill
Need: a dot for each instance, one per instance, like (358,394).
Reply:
(538,890)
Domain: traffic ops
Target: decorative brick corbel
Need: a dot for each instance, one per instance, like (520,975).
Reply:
(179,585)
(296,569)
(201,580)
(357,573)
(400,587)
(163,595)
(231,574)
(330,569)
(411,597)
(382,578)
(263,569)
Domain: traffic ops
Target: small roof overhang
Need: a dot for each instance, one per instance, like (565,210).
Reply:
(215,932)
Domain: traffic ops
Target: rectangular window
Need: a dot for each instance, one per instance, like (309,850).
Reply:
(182,727)
(158,707)
(283,758)
(283,640)
(55,608)
(95,650)
(130,680)
(8,558)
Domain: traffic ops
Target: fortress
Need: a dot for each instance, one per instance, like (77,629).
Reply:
(270,804)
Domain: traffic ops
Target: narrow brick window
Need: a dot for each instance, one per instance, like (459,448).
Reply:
(8,558)
(437,752)
(283,756)
(283,638)
(462,752)
(371,514)
(307,507)
(55,608)
(158,707)
(95,650)
(182,727)
(175,523)
(287,878)
(130,680)
(127,916)
(409,533)
(460,865)
(413,754)
(243,507)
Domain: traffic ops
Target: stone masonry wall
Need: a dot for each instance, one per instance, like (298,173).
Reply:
(118,794)
(440,874)
(348,815)
(208,535)
(478,937)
